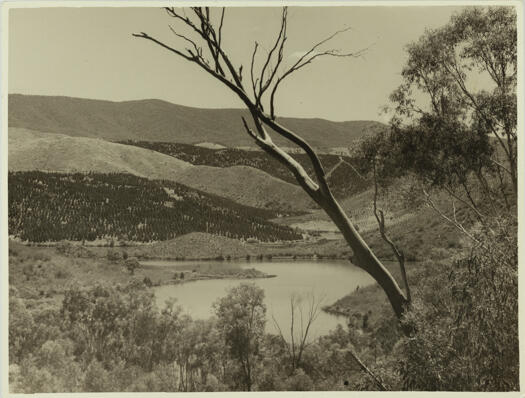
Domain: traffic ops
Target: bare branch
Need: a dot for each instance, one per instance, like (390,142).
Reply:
(281,335)
(207,32)
(459,226)
(211,38)
(198,50)
(171,12)
(313,313)
(341,162)
(380,217)
(316,46)
(291,136)
(201,32)
(469,205)
(207,29)
(143,35)
(306,59)
(361,364)
(281,39)
(500,166)
(254,81)
(219,42)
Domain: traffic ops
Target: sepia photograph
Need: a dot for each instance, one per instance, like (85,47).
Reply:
(268,196)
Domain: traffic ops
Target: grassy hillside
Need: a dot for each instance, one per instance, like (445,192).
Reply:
(53,207)
(247,186)
(156,120)
(344,180)
(33,150)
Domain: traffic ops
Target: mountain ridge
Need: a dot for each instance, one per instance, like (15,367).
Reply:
(159,120)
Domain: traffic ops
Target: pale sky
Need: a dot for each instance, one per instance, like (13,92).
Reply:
(90,53)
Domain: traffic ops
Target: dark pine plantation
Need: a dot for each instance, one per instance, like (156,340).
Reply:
(52,207)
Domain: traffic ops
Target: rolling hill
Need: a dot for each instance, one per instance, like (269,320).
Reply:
(343,177)
(247,186)
(156,120)
(33,150)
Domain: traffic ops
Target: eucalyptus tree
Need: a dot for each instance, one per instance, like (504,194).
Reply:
(241,318)
(455,112)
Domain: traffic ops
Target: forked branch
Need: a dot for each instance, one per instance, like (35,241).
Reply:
(307,58)
(264,141)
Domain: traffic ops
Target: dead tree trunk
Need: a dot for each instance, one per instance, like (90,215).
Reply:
(268,80)
(366,259)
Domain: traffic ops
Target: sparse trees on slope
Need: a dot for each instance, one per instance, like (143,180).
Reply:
(257,88)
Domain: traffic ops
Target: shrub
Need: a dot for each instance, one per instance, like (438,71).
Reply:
(61,273)
(131,265)
(113,255)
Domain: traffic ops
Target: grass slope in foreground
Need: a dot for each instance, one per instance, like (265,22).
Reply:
(53,206)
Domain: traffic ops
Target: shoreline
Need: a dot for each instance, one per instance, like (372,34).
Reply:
(83,265)
(211,277)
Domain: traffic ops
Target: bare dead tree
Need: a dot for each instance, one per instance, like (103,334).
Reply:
(299,337)
(450,219)
(210,56)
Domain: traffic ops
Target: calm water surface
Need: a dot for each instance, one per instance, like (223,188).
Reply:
(329,280)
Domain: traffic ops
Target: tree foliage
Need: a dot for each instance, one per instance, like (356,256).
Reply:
(454,135)
(241,319)
(454,115)
(467,335)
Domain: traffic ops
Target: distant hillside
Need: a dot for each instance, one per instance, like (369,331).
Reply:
(343,177)
(54,206)
(156,120)
(246,185)
(32,150)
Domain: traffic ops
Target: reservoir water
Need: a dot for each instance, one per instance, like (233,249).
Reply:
(323,279)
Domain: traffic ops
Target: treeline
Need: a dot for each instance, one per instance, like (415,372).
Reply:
(53,207)
(344,181)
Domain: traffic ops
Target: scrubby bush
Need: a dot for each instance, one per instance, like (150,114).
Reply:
(131,265)
(466,321)
(113,255)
